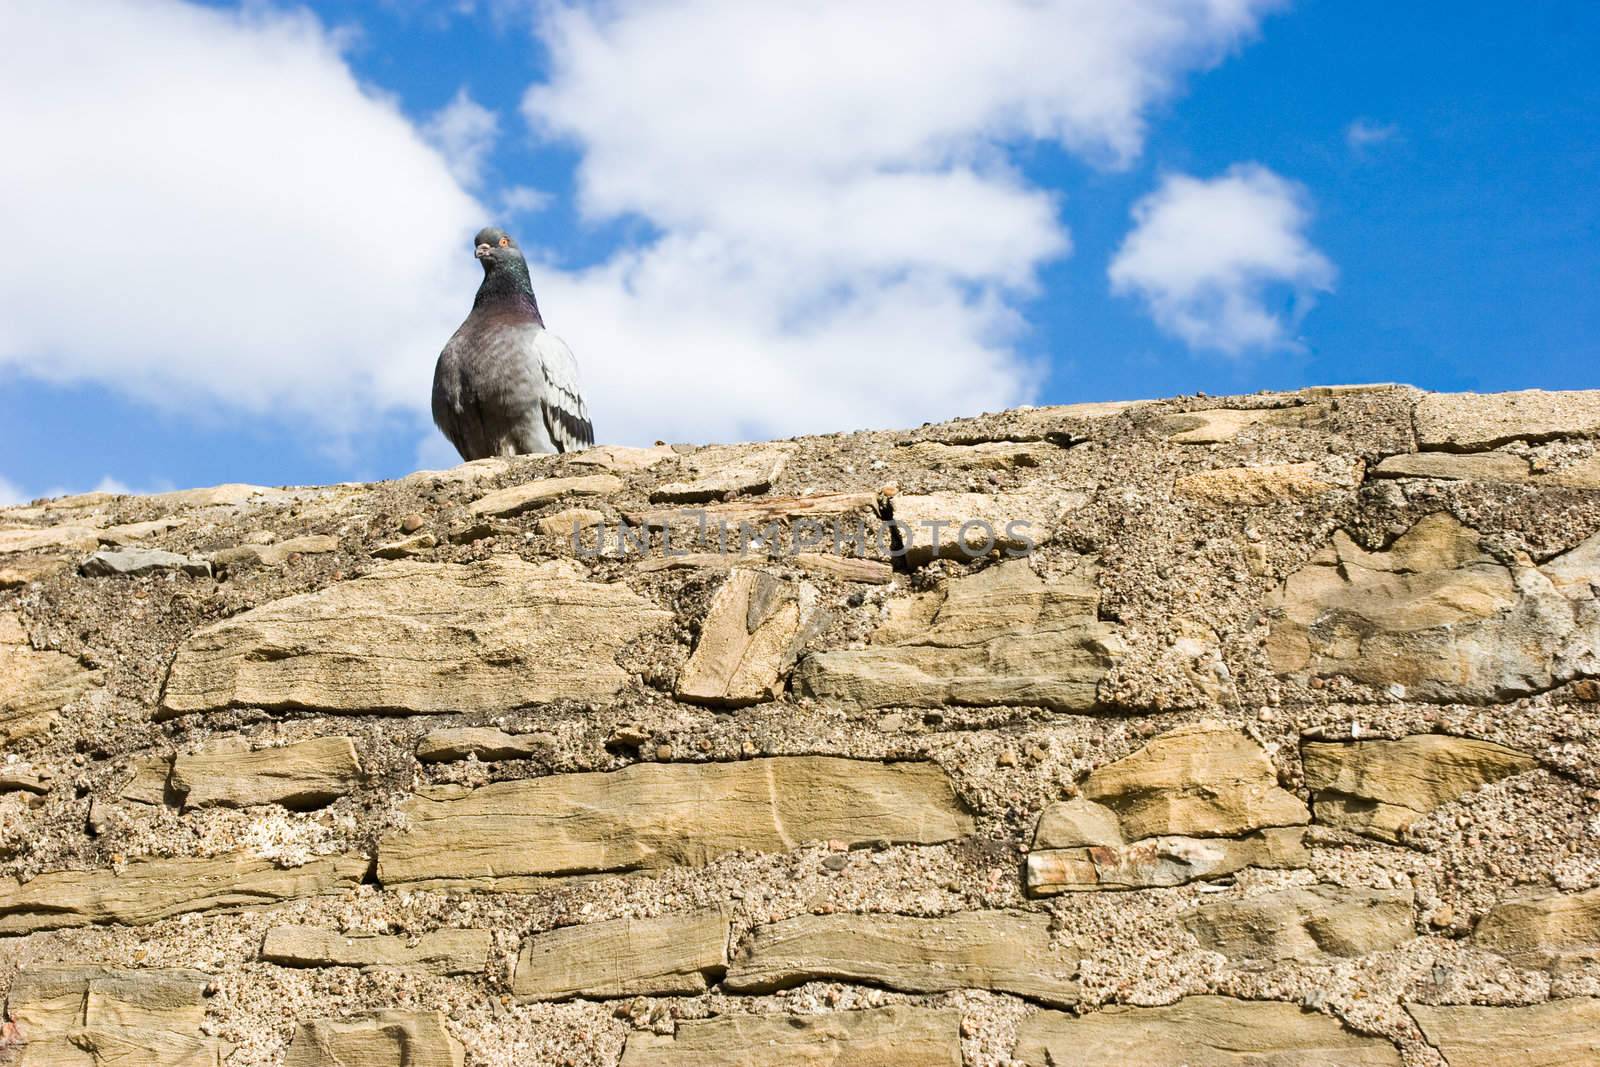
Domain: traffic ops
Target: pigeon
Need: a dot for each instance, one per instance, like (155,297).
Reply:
(504,385)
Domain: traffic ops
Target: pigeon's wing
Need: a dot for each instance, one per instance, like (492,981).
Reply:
(566,417)
(455,413)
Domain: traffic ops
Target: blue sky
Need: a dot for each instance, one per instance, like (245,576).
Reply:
(243,246)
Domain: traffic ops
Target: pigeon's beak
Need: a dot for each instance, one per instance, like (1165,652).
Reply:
(483,251)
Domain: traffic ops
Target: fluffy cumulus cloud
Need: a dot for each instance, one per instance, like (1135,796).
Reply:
(206,210)
(1224,263)
(464,131)
(843,236)
(209,211)
(10,494)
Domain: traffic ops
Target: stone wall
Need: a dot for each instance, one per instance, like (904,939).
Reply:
(1280,748)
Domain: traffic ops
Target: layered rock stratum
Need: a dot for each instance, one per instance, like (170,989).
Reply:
(1207,731)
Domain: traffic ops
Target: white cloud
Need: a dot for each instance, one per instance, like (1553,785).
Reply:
(524,200)
(1206,256)
(843,234)
(464,131)
(11,493)
(840,235)
(1364,133)
(207,211)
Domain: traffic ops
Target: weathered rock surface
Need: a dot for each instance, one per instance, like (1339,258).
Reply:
(1000,636)
(1560,1033)
(656,815)
(628,779)
(307,774)
(379,1039)
(419,638)
(1551,931)
(436,952)
(1472,422)
(277,553)
(714,473)
(1434,617)
(1199,1031)
(514,500)
(1304,922)
(1010,952)
(480,742)
(751,636)
(1380,788)
(668,955)
(148,890)
(35,685)
(1197,802)
(139,562)
(898,1036)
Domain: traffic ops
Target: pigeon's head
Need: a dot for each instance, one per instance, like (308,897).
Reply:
(495,248)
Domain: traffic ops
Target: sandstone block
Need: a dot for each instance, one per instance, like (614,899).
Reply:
(97,1046)
(421,638)
(1220,425)
(713,473)
(378,1039)
(514,500)
(1201,1031)
(304,775)
(35,685)
(1380,788)
(898,1036)
(482,742)
(751,636)
(668,955)
(1435,617)
(139,562)
(1196,802)
(1473,422)
(1258,486)
(699,527)
(436,952)
(86,1015)
(66,995)
(966,526)
(1551,931)
(1162,861)
(1009,952)
(570,522)
(1000,636)
(149,890)
(982,455)
(1559,1033)
(32,539)
(1304,923)
(655,815)
(277,554)
(620,459)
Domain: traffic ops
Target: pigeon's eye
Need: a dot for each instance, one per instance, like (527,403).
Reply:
(505,242)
